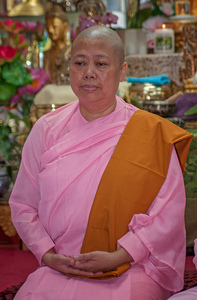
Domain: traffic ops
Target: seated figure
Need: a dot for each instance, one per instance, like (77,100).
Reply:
(100,197)
(57,58)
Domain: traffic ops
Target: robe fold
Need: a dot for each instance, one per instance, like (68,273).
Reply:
(63,161)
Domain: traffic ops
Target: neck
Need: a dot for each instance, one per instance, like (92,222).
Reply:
(59,44)
(90,114)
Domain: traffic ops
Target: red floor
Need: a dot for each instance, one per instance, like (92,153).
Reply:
(15,266)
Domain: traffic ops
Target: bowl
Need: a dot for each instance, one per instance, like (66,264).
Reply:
(148,91)
(161,108)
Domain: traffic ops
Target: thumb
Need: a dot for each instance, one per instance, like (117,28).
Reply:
(82,257)
(66,260)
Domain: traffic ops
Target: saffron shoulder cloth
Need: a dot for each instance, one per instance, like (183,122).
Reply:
(131,181)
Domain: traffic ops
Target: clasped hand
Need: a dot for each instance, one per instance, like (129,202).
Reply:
(86,264)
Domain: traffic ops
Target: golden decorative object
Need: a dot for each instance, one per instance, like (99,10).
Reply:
(9,4)
(6,221)
(189,87)
(91,7)
(132,8)
(190,49)
(27,8)
(57,58)
(43,109)
(178,31)
(147,91)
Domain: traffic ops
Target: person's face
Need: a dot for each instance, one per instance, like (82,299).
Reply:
(56,28)
(95,73)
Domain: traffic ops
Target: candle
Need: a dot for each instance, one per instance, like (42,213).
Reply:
(164,40)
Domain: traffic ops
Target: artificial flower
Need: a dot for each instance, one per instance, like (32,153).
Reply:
(147,11)
(86,22)
(39,79)
(10,26)
(154,22)
(146,5)
(36,29)
(166,8)
(14,75)
(16,81)
(7,54)
(109,18)
(91,20)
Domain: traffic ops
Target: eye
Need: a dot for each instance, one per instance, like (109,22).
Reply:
(79,63)
(101,64)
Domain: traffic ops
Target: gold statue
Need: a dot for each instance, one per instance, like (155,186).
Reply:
(57,58)
(26,8)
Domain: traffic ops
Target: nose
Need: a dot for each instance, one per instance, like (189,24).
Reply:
(50,29)
(89,72)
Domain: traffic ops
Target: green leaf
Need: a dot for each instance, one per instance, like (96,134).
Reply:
(28,78)
(191,111)
(15,73)
(13,116)
(6,130)
(6,91)
(26,121)
(143,16)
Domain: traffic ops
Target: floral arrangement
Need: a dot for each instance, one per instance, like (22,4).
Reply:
(17,81)
(15,78)
(89,20)
(149,15)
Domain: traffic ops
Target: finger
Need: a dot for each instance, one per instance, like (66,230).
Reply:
(62,259)
(83,257)
(71,270)
(82,265)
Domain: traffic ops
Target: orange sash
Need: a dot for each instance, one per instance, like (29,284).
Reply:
(132,180)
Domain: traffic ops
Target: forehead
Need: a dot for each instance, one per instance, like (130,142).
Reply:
(90,46)
(54,21)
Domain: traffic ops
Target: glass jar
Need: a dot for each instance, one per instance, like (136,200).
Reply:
(4,182)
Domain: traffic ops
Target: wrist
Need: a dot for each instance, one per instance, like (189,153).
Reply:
(47,255)
(121,256)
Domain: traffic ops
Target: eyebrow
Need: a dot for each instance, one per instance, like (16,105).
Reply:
(96,55)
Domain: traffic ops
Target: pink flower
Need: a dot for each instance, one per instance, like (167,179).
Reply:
(73,33)
(86,22)
(36,28)
(109,18)
(146,5)
(40,77)
(7,54)
(96,19)
(10,26)
(14,99)
(154,22)
(29,26)
(39,28)
(22,42)
(166,8)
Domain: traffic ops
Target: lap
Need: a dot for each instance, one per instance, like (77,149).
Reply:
(190,294)
(48,284)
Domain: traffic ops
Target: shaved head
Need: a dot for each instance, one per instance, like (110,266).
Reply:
(106,34)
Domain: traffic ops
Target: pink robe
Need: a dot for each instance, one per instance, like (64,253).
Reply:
(190,294)
(63,161)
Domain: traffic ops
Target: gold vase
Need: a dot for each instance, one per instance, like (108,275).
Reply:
(27,8)
(32,56)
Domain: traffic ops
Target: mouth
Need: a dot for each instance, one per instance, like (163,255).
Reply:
(89,88)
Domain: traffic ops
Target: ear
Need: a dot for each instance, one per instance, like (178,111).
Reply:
(123,70)
(66,26)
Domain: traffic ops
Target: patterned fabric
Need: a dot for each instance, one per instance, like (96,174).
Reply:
(190,174)
(190,279)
